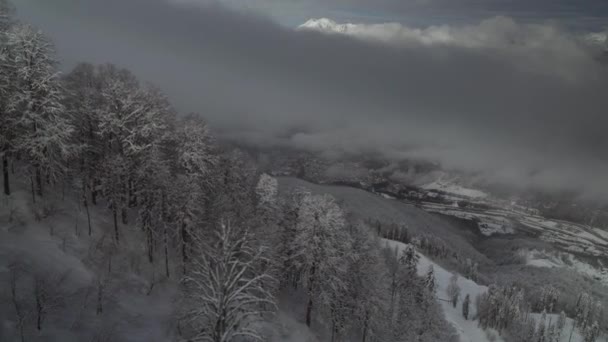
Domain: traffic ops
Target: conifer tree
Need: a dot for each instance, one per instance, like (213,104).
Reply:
(465,306)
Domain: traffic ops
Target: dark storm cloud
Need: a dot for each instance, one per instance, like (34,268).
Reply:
(527,109)
(576,13)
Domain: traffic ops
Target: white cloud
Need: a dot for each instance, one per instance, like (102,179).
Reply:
(517,102)
(546,47)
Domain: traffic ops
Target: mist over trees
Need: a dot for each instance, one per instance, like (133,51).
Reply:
(202,212)
(199,217)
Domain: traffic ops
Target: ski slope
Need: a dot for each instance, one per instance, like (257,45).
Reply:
(468,330)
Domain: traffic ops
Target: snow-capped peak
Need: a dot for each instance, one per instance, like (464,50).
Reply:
(324,25)
(598,39)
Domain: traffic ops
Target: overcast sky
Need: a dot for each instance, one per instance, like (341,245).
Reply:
(501,88)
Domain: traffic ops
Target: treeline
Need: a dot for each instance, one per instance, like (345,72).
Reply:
(506,310)
(206,214)
(431,245)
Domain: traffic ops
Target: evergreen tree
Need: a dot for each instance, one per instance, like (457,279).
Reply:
(592,332)
(453,290)
(366,293)
(465,306)
(541,331)
(429,279)
(561,323)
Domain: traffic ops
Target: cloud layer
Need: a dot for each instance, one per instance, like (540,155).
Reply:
(523,104)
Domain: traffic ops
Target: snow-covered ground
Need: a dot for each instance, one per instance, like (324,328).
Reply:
(569,236)
(551,260)
(489,224)
(454,189)
(468,330)
(568,329)
(59,245)
(139,302)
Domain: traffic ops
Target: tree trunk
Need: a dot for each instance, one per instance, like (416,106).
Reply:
(39,314)
(33,191)
(132,196)
(571,332)
(166,251)
(125,202)
(333,332)
(115,214)
(311,282)
(86,206)
(309,312)
(123,213)
(364,337)
(7,188)
(94,193)
(150,242)
(99,298)
(184,238)
(38,181)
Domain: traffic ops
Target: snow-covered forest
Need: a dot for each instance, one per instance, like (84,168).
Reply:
(140,195)
(124,220)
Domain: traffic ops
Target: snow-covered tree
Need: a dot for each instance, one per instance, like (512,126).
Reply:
(7,87)
(112,176)
(522,329)
(592,332)
(267,204)
(587,311)
(465,306)
(196,163)
(541,331)
(83,100)
(234,192)
(288,221)
(7,11)
(154,215)
(429,279)
(366,292)
(195,146)
(418,316)
(267,190)
(319,250)
(43,133)
(453,290)
(225,293)
(394,273)
(547,299)
(561,323)
(409,258)
(500,307)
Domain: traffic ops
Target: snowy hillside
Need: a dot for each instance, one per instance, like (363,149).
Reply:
(366,205)
(137,300)
(468,330)
(134,303)
(565,260)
